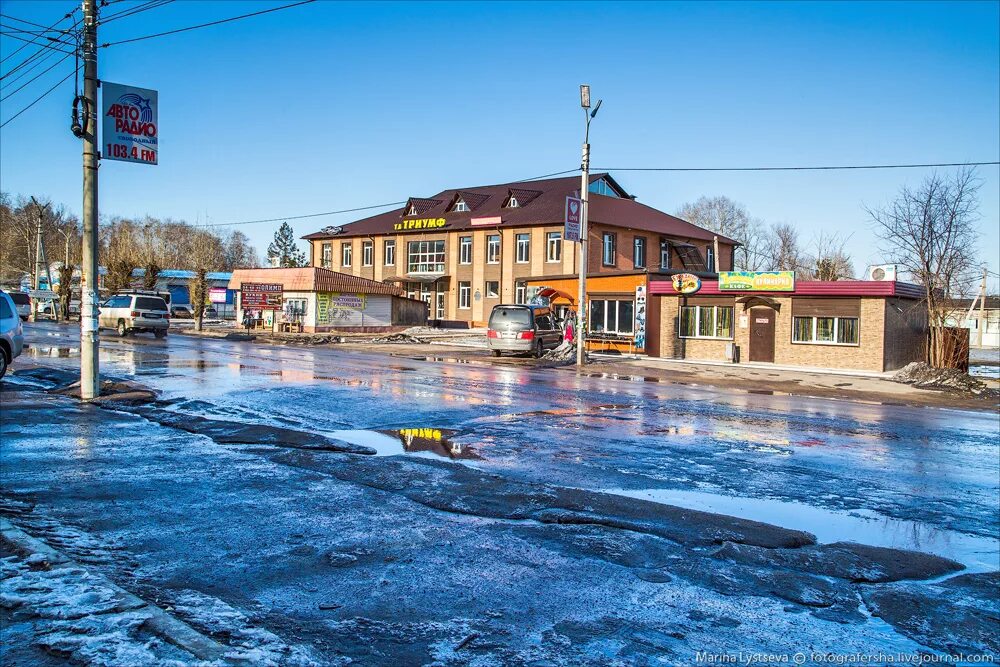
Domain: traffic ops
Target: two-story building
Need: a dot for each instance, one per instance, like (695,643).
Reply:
(463,251)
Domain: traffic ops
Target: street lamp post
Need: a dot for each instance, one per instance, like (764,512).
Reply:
(581,308)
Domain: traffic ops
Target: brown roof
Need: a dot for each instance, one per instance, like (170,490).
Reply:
(312,279)
(545,208)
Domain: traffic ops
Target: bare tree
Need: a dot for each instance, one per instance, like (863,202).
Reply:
(828,260)
(729,218)
(121,255)
(931,232)
(783,250)
(206,254)
(238,252)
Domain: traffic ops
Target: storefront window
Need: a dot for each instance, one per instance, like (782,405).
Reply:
(706,322)
(612,316)
(520,293)
(828,330)
(426,257)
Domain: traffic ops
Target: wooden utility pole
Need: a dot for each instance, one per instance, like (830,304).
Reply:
(982,309)
(90,380)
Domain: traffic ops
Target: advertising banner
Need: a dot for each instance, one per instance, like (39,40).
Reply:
(685,283)
(640,317)
(130,130)
(261,296)
(572,229)
(756,281)
(217,295)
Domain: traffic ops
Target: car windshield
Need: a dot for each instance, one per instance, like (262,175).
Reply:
(150,303)
(504,317)
(20,298)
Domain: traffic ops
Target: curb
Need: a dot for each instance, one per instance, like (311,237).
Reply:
(171,629)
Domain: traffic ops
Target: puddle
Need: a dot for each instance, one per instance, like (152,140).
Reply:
(429,442)
(978,554)
(47,351)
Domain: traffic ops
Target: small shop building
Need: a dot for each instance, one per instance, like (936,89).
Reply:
(315,300)
(850,324)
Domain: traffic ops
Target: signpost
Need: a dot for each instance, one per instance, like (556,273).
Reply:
(756,281)
(130,131)
(572,228)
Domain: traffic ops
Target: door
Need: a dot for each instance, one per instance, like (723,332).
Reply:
(762,323)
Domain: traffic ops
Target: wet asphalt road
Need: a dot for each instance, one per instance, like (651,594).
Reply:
(249,525)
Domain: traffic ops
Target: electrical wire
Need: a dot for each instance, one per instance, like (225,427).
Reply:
(38,99)
(38,61)
(36,77)
(131,11)
(822,168)
(16,51)
(44,46)
(206,25)
(37,25)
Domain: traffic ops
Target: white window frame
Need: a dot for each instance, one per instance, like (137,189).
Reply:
(464,295)
(389,253)
(606,246)
(637,242)
(346,254)
(617,328)
(522,241)
(491,294)
(367,253)
(460,206)
(697,322)
(836,330)
(326,255)
(430,258)
(493,242)
(553,247)
(513,203)
(710,258)
(665,253)
(465,250)
(520,292)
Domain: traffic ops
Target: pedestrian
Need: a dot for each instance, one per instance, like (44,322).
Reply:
(568,331)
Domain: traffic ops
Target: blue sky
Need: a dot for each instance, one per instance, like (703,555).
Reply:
(334,105)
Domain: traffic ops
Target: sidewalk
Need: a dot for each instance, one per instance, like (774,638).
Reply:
(848,372)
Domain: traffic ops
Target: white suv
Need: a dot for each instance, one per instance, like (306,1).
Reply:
(130,313)
(11,333)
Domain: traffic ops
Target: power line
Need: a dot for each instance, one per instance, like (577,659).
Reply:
(37,25)
(17,50)
(152,4)
(301,217)
(36,77)
(48,53)
(44,46)
(38,99)
(206,25)
(822,168)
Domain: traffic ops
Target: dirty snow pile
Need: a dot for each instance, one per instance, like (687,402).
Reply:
(925,376)
(566,351)
(398,338)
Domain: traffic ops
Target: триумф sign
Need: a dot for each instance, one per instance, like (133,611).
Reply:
(130,131)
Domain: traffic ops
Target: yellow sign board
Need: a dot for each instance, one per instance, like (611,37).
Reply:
(756,281)
(420,223)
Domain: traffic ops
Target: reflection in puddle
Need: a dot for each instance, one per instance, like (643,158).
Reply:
(432,442)
(978,554)
(48,351)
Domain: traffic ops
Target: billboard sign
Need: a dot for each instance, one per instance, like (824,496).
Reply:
(261,296)
(130,129)
(573,210)
(756,281)
(217,295)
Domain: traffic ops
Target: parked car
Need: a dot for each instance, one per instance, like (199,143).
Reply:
(135,312)
(210,313)
(11,332)
(519,328)
(22,303)
(180,311)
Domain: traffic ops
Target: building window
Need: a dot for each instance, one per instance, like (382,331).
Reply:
(602,187)
(492,289)
(464,295)
(425,257)
(608,256)
(523,249)
(493,249)
(389,253)
(327,256)
(706,322)
(826,330)
(664,254)
(465,250)
(460,206)
(411,211)
(639,252)
(553,245)
(710,258)
(612,316)
(520,293)
(513,203)
(346,251)
(367,253)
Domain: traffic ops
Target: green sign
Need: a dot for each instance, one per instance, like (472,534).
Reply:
(756,281)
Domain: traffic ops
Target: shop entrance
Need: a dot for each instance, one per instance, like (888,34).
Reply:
(762,325)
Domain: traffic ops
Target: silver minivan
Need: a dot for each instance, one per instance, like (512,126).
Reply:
(133,312)
(11,332)
(521,328)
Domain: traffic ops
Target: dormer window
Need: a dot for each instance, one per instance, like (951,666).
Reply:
(460,206)
(513,203)
(412,210)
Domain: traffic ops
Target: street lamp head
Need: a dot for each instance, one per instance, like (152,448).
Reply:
(594,112)
(585,96)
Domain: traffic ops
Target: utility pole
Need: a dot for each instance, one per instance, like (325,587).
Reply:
(581,310)
(39,260)
(90,380)
(982,308)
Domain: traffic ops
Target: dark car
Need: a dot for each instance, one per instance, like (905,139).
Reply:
(520,328)
(182,312)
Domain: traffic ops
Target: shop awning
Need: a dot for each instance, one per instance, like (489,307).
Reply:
(417,277)
(754,300)
(551,293)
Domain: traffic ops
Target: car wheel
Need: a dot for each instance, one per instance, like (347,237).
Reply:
(159,333)
(122,329)
(496,353)
(539,350)
(3,363)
